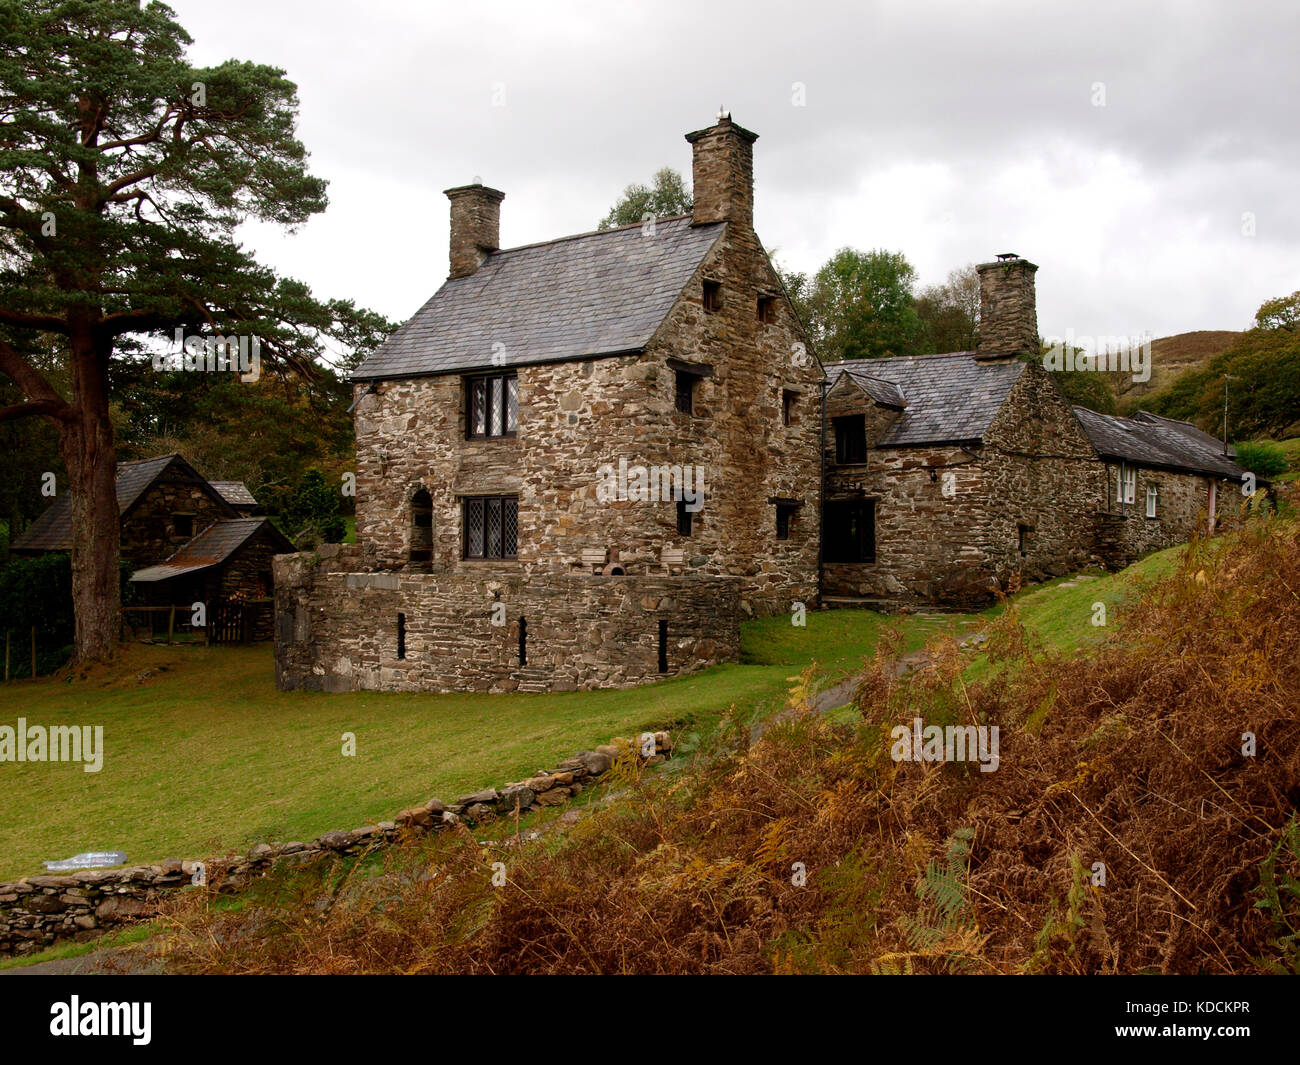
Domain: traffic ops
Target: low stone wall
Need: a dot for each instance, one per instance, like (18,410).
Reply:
(342,625)
(38,911)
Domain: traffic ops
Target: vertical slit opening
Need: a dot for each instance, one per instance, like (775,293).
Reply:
(523,641)
(663,647)
(401,635)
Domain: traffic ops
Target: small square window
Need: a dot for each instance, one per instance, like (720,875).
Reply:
(491,527)
(767,308)
(183,524)
(684,517)
(685,392)
(712,296)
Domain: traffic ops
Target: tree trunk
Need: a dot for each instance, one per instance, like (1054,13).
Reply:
(86,444)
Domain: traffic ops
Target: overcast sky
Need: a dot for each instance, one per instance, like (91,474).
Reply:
(1127,148)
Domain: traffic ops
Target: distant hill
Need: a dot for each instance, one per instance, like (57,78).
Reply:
(1170,357)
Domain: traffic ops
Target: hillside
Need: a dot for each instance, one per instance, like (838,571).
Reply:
(1170,357)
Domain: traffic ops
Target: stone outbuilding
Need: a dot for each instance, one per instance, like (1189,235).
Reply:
(948,475)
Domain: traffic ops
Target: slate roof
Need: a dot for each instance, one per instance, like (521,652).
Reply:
(1149,440)
(593,294)
(235,493)
(52,531)
(948,398)
(211,547)
(883,392)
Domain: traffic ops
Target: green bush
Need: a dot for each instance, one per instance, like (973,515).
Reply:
(1263,458)
(312,514)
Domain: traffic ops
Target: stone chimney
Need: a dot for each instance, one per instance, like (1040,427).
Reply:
(722,173)
(1008,310)
(475,226)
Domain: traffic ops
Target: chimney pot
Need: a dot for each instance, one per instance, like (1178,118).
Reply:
(475,226)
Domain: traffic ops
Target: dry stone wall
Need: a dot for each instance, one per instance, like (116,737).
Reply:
(39,911)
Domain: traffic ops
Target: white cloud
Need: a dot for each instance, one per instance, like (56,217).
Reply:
(949,131)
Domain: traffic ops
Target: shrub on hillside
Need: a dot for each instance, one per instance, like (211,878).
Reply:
(1262,457)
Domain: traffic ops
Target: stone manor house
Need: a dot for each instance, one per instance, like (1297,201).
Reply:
(583,462)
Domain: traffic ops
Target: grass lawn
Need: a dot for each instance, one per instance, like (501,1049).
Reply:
(205,757)
(208,757)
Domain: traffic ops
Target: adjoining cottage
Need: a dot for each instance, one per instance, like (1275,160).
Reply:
(583,461)
(948,474)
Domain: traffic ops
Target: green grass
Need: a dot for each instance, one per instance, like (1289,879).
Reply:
(838,640)
(206,757)
(1061,612)
(1291,449)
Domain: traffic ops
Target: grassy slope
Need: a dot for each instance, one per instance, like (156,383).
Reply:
(207,757)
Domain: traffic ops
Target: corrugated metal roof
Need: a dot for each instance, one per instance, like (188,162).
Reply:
(949,398)
(52,531)
(211,547)
(1149,440)
(592,294)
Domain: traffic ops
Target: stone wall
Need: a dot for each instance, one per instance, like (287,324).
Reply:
(1128,534)
(1042,473)
(38,911)
(337,627)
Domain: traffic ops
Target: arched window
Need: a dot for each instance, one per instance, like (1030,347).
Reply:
(421,528)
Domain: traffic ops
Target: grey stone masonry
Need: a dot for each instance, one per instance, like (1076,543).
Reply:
(1008,310)
(338,627)
(722,173)
(475,226)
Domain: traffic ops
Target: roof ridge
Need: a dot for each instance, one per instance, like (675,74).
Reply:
(156,458)
(591,233)
(849,363)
